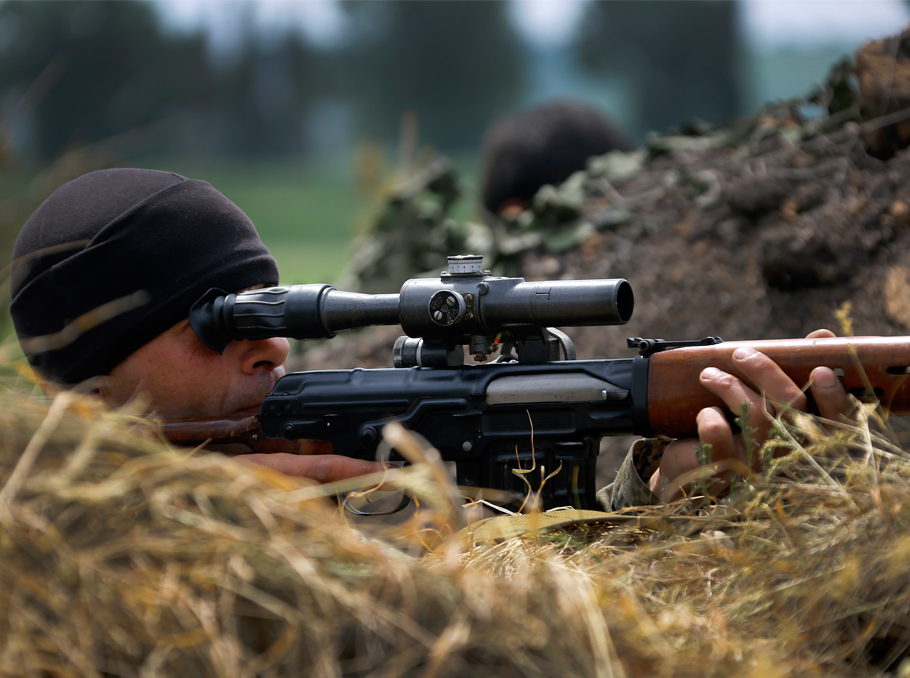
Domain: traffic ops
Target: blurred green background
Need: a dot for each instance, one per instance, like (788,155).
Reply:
(307,113)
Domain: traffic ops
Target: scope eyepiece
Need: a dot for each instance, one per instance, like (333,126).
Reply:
(314,311)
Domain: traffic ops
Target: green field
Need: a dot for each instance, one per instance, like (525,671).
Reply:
(308,262)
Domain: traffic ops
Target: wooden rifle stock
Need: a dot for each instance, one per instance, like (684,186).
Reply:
(871,366)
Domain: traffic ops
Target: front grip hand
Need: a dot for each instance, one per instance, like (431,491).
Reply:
(713,428)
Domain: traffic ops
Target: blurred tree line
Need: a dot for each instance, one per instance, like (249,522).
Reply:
(77,72)
(683,61)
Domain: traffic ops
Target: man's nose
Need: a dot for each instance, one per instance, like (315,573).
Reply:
(263,354)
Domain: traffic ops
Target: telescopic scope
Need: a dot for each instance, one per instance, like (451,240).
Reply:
(463,301)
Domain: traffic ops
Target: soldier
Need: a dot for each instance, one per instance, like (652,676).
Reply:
(102,280)
(542,146)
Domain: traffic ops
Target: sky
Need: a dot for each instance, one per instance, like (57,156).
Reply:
(807,24)
(768,24)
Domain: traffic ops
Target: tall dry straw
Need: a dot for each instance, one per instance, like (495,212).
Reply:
(124,556)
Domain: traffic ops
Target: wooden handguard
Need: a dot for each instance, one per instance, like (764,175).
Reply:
(870,365)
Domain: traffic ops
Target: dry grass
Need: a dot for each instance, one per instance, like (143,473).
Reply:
(122,556)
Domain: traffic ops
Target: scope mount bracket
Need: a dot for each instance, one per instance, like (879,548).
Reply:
(532,345)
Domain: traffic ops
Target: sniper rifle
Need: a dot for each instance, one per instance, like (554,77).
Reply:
(533,404)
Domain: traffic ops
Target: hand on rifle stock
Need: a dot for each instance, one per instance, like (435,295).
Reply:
(680,456)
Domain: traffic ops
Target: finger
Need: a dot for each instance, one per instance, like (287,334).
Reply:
(821,334)
(680,457)
(736,395)
(323,468)
(714,430)
(769,378)
(830,396)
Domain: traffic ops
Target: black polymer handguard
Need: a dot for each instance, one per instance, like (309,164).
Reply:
(489,420)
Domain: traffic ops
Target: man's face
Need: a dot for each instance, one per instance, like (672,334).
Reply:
(185,378)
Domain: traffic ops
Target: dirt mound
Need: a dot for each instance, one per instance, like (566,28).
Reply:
(795,230)
(761,230)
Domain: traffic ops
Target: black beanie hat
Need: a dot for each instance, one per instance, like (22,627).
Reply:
(116,257)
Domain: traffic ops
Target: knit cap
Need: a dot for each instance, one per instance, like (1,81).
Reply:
(116,257)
